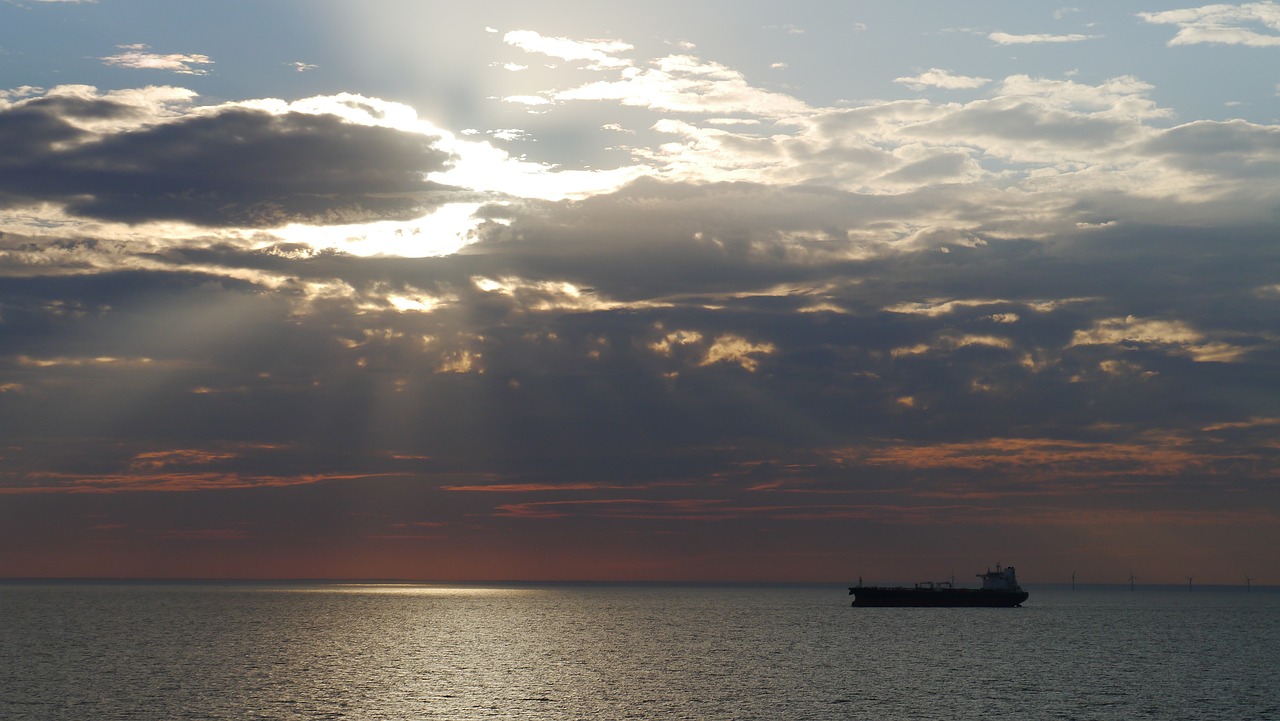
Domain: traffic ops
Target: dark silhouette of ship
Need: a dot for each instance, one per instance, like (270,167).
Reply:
(1000,589)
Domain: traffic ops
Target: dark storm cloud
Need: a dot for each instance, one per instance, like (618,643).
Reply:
(232,167)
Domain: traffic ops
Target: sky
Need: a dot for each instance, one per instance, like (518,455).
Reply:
(686,291)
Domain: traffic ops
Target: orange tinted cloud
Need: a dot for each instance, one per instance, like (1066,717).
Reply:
(137,482)
(691,509)
(204,534)
(531,487)
(1163,455)
(180,457)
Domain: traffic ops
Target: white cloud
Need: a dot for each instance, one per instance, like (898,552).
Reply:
(19,92)
(303,67)
(685,83)
(552,295)
(599,53)
(531,100)
(1008,39)
(1223,24)
(1124,96)
(1035,153)
(137,56)
(147,106)
(939,78)
(509,134)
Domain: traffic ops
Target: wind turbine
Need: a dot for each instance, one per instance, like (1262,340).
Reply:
(1132,578)
(1073,580)
(1248,583)
(1189,582)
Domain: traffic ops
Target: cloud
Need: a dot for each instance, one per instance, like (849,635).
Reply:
(166,482)
(232,166)
(797,315)
(685,83)
(739,351)
(938,78)
(1056,129)
(138,57)
(1249,24)
(1043,122)
(1000,38)
(532,487)
(1174,334)
(598,53)
(1250,423)
(1046,457)
(532,100)
(1053,130)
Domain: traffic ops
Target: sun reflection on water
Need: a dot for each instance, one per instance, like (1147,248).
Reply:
(408,590)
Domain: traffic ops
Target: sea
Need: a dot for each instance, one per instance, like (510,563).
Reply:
(204,650)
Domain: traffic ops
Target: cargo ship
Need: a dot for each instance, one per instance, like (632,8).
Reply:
(1000,589)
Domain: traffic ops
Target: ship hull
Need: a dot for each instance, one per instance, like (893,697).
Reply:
(871,596)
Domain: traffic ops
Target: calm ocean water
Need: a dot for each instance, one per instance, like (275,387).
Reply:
(89,651)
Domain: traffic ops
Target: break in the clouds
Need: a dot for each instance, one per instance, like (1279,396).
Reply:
(140,57)
(683,311)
